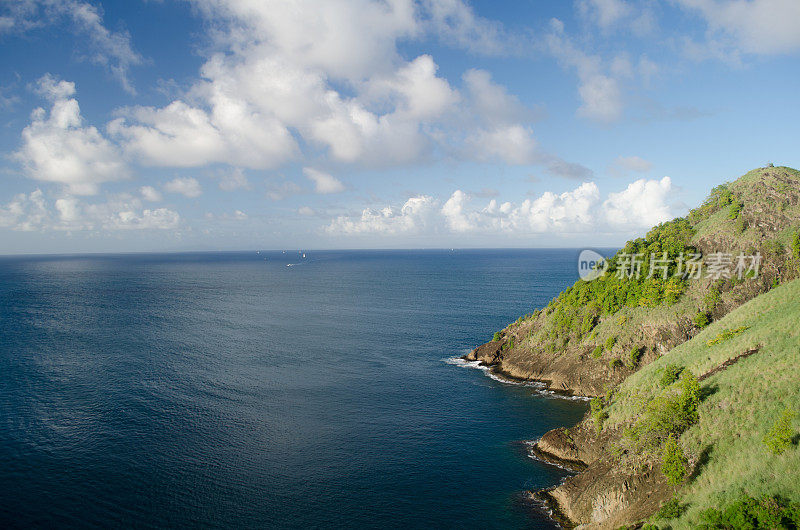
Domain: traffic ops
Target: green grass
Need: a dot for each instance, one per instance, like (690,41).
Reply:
(741,404)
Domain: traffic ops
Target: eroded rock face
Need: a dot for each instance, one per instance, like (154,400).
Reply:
(489,353)
(606,496)
(606,493)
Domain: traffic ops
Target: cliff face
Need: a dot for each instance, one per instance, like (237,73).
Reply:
(582,342)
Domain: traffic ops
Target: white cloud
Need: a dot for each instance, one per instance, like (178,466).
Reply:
(113,50)
(748,26)
(306,210)
(149,193)
(25,212)
(233,180)
(582,210)
(492,103)
(456,23)
(120,212)
(321,75)
(416,215)
(605,13)
(624,165)
(512,144)
(600,93)
(642,203)
(186,186)
(57,147)
(277,192)
(323,182)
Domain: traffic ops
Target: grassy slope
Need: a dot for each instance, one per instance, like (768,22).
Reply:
(743,403)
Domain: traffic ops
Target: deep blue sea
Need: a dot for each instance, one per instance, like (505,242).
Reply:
(232,390)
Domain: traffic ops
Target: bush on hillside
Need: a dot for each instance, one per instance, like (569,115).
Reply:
(670,413)
(673,461)
(497,336)
(597,352)
(779,438)
(671,509)
(701,319)
(796,246)
(634,356)
(670,374)
(751,513)
(734,209)
(598,414)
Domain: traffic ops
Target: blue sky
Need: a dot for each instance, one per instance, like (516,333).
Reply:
(241,124)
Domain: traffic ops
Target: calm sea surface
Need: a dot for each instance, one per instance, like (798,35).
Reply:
(229,390)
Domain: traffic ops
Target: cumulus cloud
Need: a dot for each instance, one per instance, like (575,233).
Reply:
(739,26)
(415,215)
(186,186)
(600,93)
(29,212)
(149,193)
(623,165)
(306,210)
(642,203)
(284,78)
(512,144)
(25,212)
(582,210)
(323,182)
(233,180)
(58,147)
(112,50)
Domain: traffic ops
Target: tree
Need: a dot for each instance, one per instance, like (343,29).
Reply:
(673,461)
(779,438)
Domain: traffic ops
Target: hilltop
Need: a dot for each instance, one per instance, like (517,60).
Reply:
(595,334)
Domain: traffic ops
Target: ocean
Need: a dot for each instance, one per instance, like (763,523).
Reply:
(270,389)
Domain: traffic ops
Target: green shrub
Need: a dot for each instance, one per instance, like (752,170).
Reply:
(670,375)
(726,334)
(509,344)
(796,246)
(735,209)
(598,414)
(614,364)
(713,297)
(701,319)
(634,356)
(752,513)
(497,336)
(610,341)
(673,461)
(774,247)
(671,509)
(668,414)
(597,352)
(741,225)
(779,438)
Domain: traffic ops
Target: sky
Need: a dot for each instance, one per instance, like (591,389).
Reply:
(166,125)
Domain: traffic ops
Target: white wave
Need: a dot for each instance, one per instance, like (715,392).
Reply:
(539,387)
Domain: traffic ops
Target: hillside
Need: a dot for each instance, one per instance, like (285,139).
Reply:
(595,334)
(718,396)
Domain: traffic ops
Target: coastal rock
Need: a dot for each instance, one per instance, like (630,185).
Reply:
(489,353)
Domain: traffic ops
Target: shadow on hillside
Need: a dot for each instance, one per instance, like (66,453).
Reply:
(702,461)
(707,391)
